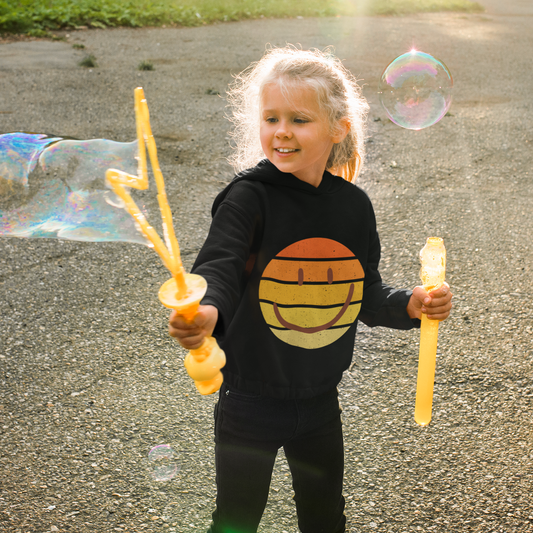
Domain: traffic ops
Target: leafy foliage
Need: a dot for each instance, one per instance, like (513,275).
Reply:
(40,17)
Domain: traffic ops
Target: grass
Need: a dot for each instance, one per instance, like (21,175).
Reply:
(40,17)
(88,62)
(146,65)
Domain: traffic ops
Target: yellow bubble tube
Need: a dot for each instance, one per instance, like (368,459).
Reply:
(432,273)
(182,292)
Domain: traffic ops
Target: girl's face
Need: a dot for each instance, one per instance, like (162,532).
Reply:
(295,133)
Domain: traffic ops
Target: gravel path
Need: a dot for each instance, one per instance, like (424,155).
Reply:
(90,380)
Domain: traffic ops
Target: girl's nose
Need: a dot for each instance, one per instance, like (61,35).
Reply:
(283,130)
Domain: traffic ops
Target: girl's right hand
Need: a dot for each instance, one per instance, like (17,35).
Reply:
(191,334)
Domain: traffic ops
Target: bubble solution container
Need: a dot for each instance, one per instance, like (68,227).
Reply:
(204,363)
(432,273)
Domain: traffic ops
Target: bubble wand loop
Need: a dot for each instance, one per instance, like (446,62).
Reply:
(432,273)
(183,292)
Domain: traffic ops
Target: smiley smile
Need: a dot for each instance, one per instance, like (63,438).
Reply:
(316,329)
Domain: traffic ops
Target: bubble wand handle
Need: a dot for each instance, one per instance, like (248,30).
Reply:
(432,273)
(182,292)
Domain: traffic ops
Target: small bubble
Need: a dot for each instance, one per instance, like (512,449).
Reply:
(171,513)
(163,462)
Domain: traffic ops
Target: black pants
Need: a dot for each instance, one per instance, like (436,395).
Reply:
(249,430)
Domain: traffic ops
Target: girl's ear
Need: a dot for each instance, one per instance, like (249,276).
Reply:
(342,129)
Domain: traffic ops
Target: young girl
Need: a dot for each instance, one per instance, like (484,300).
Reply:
(291,262)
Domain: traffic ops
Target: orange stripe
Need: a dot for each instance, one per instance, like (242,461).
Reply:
(317,247)
(314,271)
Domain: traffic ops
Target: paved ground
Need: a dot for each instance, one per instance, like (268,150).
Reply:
(90,381)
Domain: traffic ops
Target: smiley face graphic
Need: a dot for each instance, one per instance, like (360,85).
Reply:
(310,293)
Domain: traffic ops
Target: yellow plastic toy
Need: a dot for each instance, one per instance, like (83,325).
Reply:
(182,292)
(432,273)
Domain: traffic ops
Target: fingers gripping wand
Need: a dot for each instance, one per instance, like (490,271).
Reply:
(182,292)
(433,258)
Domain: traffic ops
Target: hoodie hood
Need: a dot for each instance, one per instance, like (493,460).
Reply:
(266,172)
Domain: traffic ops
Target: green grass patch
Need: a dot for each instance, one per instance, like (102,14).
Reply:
(40,17)
(88,62)
(146,65)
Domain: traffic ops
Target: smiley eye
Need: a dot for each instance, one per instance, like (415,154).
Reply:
(330,276)
(300,276)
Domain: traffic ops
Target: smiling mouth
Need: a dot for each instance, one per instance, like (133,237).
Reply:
(316,329)
(286,150)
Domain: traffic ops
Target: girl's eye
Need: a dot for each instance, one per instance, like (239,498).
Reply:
(300,121)
(271,120)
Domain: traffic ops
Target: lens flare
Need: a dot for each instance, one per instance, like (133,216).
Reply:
(416,90)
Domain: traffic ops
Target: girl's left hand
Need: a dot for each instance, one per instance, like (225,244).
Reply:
(436,304)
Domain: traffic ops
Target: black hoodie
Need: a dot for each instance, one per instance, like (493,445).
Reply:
(291,269)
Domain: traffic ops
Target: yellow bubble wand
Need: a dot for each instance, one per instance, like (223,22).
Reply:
(432,273)
(183,292)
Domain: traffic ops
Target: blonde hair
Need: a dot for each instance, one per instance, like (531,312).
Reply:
(337,92)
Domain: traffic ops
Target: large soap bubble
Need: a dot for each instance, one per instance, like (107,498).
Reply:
(56,187)
(416,90)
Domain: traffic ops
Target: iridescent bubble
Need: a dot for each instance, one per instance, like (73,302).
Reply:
(56,187)
(163,462)
(174,511)
(416,90)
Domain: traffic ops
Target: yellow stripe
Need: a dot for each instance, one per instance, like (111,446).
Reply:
(312,317)
(316,295)
(310,341)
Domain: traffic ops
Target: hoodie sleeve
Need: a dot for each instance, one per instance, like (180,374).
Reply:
(382,305)
(222,261)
